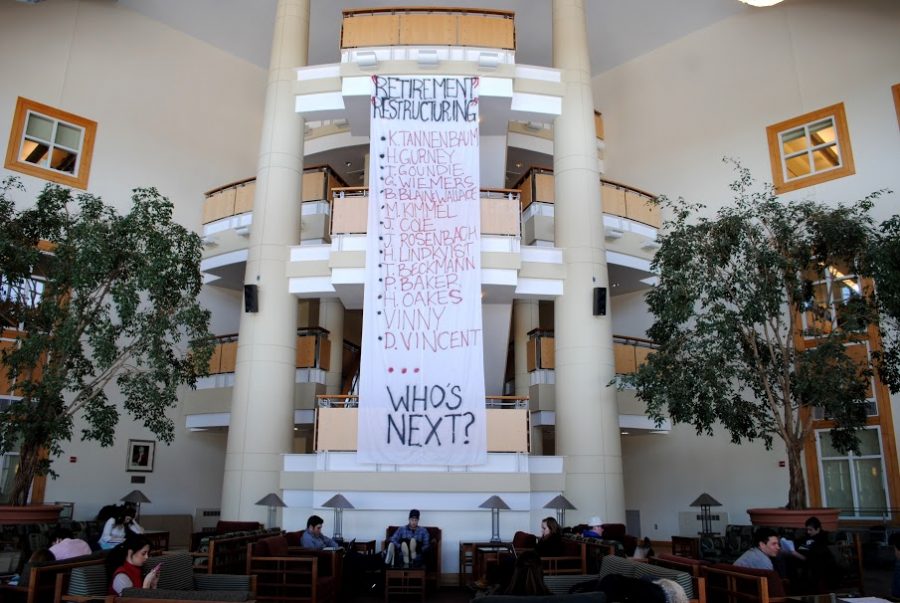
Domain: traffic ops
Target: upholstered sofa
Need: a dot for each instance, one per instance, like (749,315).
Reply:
(177,582)
(289,574)
(597,597)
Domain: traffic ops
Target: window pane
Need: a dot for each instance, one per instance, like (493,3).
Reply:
(39,127)
(822,131)
(63,160)
(826,158)
(868,442)
(838,487)
(871,484)
(34,152)
(797,166)
(793,141)
(68,136)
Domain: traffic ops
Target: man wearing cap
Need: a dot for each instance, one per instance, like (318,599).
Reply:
(593,530)
(412,539)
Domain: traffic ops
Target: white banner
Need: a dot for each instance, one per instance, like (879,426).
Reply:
(421,391)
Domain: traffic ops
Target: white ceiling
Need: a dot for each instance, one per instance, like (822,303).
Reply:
(619,30)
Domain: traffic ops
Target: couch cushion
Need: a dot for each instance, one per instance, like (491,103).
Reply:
(273,546)
(524,540)
(192,595)
(616,565)
(221,582)
(176,573)
(293,538)
(653,572)
(613,531)
(236,526)
(563,583)
(89,581)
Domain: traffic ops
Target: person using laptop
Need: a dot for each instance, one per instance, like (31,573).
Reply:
(313,538)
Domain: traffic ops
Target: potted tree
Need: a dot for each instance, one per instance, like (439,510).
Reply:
(755,314)
(93,303)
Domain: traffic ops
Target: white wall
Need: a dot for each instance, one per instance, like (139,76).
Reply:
(174,113)
(671,115)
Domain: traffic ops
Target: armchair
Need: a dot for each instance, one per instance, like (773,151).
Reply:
(290,574)
(432,556)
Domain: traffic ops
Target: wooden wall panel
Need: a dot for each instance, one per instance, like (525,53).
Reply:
(489,32)
(243,199)
(544,189)
(215,361)
(219,205)
(548,353)
(640,354)
(314,186)
(435,29)
(229,357)
(349,215)
(639,210)
(507,429)
(5,386)
(598,124)
(306,351)
(624,358)
(325,354)
(613,200)
(527,194)
(336,429)
(859,353)
(500,216)
(370,30)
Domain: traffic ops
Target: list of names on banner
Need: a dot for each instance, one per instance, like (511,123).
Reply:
(422,395)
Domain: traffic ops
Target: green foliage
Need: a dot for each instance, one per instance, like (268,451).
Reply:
(734,349)
(109,319)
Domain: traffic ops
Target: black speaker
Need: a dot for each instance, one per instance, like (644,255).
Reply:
(599,301)
(251,298)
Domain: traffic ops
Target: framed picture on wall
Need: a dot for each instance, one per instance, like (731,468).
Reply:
(140,455)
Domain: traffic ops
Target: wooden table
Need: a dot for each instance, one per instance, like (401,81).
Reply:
(488,552)
(159,540)
(404,583)
(467,560)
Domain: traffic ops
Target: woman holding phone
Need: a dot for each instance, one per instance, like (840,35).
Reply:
(123,565)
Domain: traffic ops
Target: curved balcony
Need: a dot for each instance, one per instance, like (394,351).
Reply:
(313,351)
(629,352)
(428,26)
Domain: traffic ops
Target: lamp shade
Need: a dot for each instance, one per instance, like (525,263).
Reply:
(271,500)
(338,501)
(705,500)
(559,502)
(494,502)
(135,496)
(761,2)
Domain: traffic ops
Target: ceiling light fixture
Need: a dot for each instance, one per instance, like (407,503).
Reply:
(761,2)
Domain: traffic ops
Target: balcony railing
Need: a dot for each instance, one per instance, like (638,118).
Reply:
(537,186)
(313,351)
(237,197)
(428,26)
(629,352)
(508,426)
(499,211)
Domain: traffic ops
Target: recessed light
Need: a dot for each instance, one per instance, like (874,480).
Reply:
(349,163)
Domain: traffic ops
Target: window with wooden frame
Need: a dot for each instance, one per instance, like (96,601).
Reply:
(810,149)
(51,144)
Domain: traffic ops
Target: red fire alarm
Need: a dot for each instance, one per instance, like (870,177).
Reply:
(781,463)
(73,459)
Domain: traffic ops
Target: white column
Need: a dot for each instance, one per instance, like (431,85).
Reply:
(331,318)
(587,429)
(261,425)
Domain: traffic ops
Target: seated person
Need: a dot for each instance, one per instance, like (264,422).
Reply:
(644,550)
(313,538)
(412,540)
(760,556)
(550,543)
(118,527)
(124,562)
(593,530)
(66,547)
(528,577)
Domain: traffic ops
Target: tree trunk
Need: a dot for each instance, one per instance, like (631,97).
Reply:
(797,493)
(29,462)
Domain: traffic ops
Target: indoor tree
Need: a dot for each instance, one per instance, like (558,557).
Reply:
(104,314)
(755,312)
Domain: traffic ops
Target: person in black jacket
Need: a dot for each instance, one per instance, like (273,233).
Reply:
(550,543)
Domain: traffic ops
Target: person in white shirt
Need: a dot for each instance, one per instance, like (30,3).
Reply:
(118,527)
